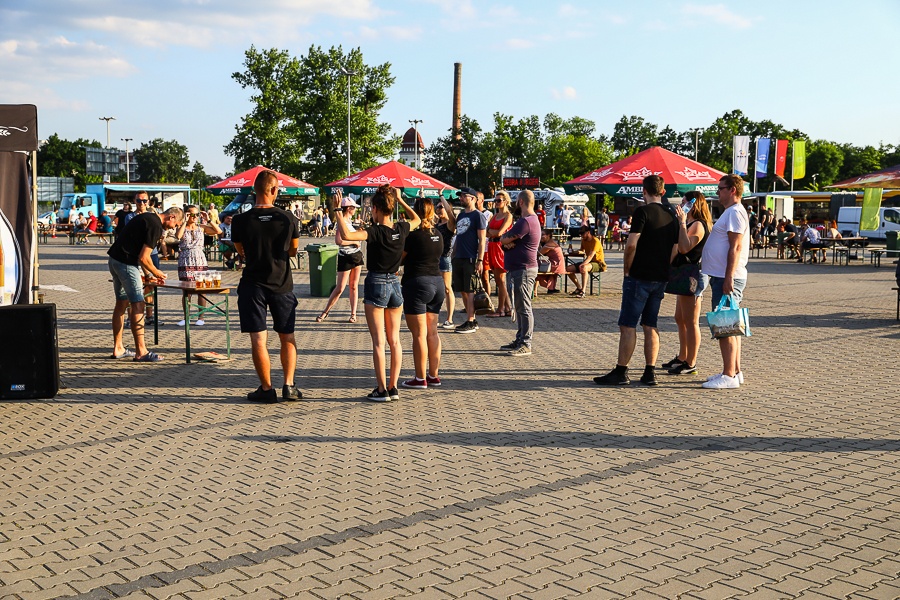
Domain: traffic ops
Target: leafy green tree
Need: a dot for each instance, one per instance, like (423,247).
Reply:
(64,158)
(161,161)
(298,124)
(455,159)
(633,134)
(677,142)
(824,160)
(859,161)
(265,136)
(716,144)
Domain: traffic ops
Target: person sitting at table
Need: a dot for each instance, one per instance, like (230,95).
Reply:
(832,231)
(226,246)
(104,227)
(554,252)
(592,250)
(809,239)
(787,237)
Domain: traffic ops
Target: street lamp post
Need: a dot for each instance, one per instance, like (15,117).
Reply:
(127,163)
(696,131)
(349,74)
(415,123)
(107,119)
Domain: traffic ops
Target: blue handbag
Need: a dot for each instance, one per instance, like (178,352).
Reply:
(728,319)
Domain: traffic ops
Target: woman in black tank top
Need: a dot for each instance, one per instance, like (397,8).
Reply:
(694,224)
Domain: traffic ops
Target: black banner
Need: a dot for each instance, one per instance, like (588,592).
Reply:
(18,135)
(18,128)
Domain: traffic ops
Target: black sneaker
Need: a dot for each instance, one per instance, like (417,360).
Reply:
(613,378)
(683,369)
(394,394)
(261,395)
(552,292)
(467,327)
(510,346)
(648,378)
(376,396)
(290,392)
(673,363)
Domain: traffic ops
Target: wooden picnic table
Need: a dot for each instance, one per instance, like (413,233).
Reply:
(217,299)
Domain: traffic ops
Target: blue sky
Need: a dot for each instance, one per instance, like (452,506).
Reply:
(163,68)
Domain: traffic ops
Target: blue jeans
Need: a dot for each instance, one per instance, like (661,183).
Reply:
(383,290)
(715,284)
(640,302)
(520,285)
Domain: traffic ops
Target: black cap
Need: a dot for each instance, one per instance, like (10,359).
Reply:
(466,190)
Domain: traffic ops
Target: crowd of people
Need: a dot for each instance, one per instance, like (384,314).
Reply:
(669,249)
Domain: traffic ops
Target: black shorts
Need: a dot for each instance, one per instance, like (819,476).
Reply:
(424,294)
(253,302)
(463,275)
(347,262)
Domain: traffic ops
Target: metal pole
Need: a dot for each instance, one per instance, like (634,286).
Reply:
(415,123)
(349,74)
(107,119)
(127,163)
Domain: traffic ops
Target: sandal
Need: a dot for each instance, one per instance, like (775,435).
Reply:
(499,313)
(352,319)
(126,354)
(149,357)
(577,292)
(321,317)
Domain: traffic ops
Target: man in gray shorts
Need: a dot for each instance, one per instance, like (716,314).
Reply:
(468,254)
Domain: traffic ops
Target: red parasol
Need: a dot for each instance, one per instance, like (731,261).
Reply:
(392,173)
(242,183)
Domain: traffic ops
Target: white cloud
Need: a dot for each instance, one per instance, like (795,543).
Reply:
(391,33)
(567,10)
(567,93)
(503,12)
(718,13)
(59,58)
(518,44)
(460,9)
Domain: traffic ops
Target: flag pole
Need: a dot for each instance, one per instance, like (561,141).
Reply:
(755,157)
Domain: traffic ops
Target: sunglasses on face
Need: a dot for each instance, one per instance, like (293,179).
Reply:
(142,200)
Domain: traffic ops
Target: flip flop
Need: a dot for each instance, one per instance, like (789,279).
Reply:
(149,357)
(126,354)
(352,319)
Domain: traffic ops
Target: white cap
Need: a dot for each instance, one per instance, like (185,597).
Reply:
(349,202)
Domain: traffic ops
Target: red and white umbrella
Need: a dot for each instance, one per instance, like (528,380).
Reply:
(242,183)
(393,173)
(625,177)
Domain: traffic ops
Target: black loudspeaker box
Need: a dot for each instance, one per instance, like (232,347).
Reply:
(29,353)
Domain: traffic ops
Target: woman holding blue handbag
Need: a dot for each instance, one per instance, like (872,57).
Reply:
(686,282)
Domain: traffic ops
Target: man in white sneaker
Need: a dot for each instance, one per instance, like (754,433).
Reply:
(725,258)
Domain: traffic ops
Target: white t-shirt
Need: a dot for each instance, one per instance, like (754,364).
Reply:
(715,252)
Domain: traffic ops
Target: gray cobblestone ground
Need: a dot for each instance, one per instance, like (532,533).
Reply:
(518,478)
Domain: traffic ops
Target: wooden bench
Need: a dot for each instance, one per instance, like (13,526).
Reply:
(875,255)
(811,255)
(74,236)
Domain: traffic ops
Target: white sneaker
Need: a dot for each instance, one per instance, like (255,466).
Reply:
(739,375)
(722,382)
(181,323)
(448,325)
(200,322)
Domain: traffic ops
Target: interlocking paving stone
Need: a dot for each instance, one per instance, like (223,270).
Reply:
(517,477)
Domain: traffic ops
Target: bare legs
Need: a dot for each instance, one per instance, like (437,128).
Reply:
(687,318)
(426,343)
(731,355)
(344,278)
(384,327)
(628,340)
(136,314)
(260,353)
(503,304)
(450,299)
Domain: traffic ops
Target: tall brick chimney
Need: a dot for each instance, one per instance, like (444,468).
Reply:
(457,98)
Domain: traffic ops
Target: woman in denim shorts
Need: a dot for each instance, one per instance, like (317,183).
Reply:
(381,291)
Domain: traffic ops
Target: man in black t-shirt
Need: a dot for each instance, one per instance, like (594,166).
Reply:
(654,232)
(267,237)
(127,256)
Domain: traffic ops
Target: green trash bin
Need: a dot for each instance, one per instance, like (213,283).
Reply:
(322,269)
(892,240)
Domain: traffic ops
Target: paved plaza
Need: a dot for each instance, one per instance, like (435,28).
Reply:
(518,478)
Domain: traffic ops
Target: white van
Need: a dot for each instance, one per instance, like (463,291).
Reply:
(848,222)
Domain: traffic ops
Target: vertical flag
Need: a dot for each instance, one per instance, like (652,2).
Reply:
(868,216)
(762,156)
(780,156)
(770,202)
(741,154)
(798,160)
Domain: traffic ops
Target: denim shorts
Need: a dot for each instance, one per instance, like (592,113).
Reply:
(640,302)
(445,264)
(126,281)
(382,290)
(423,294)
(715,285)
